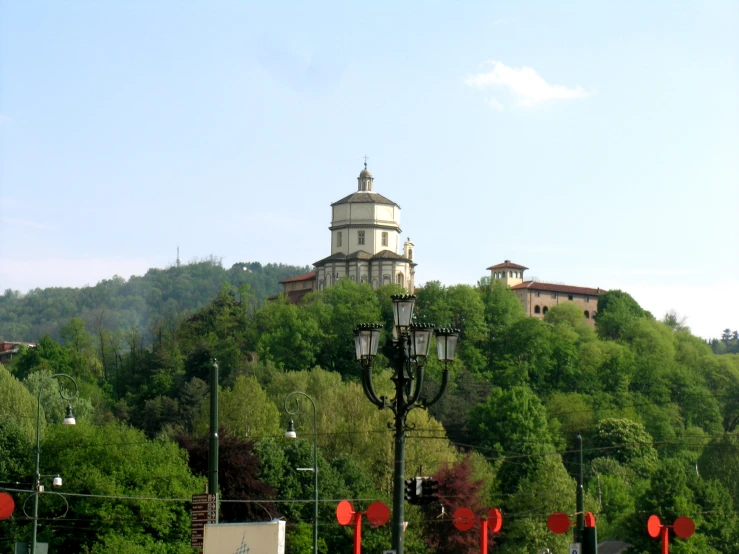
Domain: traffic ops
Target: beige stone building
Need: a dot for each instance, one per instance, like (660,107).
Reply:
(365,240)
(538,298)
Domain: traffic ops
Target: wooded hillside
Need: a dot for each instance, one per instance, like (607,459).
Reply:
(657,409)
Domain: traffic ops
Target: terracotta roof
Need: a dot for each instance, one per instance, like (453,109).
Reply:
(507,265)
(304,277)
(365,198)
(551,287)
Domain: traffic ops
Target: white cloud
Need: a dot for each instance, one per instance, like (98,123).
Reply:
(527,86)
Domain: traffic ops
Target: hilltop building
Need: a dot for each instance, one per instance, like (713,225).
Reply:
(295,288)
(9,349)
(365,239)
(538,298)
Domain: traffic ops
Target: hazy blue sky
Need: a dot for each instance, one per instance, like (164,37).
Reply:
(596,143)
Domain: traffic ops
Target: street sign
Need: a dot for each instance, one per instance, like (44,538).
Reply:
(204,510)
(575,548)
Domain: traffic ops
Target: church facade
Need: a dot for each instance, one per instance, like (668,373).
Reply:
(365,240)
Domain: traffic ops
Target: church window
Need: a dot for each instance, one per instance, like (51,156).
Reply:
(587,314)
(569,297)
(360,237)
(384,238)
(338,238)
(546,309)
(410,253)
(399,278)
(538,294)
(537,309)
(510,274)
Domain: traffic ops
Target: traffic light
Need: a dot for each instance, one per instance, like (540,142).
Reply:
(410,491)
(429,490)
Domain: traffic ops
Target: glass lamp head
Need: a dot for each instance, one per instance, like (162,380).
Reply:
(420,340)
(69,418)
(366,341)
(290,432)
(446,344)
(403,310)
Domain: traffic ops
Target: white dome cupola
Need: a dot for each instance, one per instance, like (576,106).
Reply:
(364,181)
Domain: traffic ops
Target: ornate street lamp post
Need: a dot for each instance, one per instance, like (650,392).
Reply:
(410,348)
(68,420)
(291,434)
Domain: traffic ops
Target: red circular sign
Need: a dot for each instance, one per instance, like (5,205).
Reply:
(589,519)
(653,526)
(344,512)
(378,514)
(6,505)
(558,523)
(684,527)
(495,520)
(464,519)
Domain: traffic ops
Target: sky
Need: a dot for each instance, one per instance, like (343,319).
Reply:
(595,143)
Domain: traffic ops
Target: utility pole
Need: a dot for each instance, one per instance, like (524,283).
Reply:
(213,438)
(580,525)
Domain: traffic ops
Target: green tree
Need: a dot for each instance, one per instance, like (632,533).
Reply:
(513,424)
(548,489)
(625,441)
(245,411)
(617,311)
(118,461)
(338,310)
(288,335)
(503,309)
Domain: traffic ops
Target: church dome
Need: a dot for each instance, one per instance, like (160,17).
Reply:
(365,173)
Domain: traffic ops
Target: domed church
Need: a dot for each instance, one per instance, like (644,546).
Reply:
(365,240)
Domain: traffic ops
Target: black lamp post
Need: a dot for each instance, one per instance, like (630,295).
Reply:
(57,482)
(291,434)
(411,347)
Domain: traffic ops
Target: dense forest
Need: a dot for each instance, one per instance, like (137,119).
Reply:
(657,408)
(116,305)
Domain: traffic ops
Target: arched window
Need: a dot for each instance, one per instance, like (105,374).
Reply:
(537,309)
(587,314)
(410,253)
(546,309)
(399,279)
(510,274)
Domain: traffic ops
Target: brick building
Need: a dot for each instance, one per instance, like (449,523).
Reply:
(538,298)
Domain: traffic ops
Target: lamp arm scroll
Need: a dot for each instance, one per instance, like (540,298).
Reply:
(417,383)
(442,390)
(369,388)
